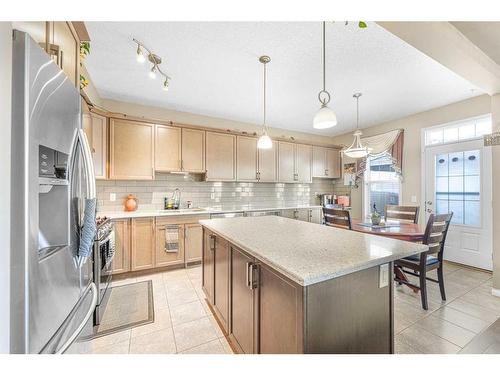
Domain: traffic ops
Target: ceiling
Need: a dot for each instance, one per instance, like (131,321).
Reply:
(484,35)
(215,71)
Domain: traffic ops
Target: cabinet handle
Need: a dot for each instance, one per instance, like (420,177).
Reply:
(248,266)
(212,242)
(326,172)
(253,284)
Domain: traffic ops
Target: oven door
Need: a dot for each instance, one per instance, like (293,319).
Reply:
(103,269)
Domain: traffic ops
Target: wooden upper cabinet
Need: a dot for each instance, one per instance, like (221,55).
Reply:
(37,30)
(121,260)
(333,163)
(168,148)
(303,163)
(246,159)
(220,157)
(286,162)
(268,164)
(99,145)
(131,150)
(142,243)
(319,162)
(64,37)
(193,150)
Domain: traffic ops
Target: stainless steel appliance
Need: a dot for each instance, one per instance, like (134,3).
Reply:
(327,199)
(227,214)
(104,252)
(263,213)
(52,292)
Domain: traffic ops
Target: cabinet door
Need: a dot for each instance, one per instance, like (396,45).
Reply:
(87,128)
(303,163)
(303,214)
(246,159)
(221,295)
(193,242)
(169,244)
(99,145)
(286,162)
(193,150)
(291,214)
(243,303)
(36,30)
(208,276)
(143,243)
(333,163)
(121,259)
(69,50)
(316,215)
(167,149)
(268,164)
(279,297)
(220,156)
(319,162)
(127,138)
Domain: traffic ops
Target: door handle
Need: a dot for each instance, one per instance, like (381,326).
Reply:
(252,283)
(248,266)
(212,242)
(429,203)
(429,210)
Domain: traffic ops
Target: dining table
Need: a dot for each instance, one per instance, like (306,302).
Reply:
(404,231)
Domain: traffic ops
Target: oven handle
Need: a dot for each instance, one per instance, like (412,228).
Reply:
(110,238)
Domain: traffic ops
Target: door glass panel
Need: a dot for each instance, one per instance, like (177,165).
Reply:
(458,186)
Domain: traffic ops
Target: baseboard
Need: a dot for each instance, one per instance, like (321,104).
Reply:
(495,292)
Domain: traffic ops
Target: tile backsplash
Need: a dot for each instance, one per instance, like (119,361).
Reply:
(150,194)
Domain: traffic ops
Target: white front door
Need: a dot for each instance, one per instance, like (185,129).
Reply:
(458,179)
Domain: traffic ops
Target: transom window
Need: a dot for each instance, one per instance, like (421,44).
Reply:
(460,131)
(382,185)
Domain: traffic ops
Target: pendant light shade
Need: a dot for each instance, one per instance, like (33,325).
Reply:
(264,140)
(356,150)
(325,117)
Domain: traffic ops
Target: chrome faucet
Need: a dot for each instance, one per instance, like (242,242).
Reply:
(176,197)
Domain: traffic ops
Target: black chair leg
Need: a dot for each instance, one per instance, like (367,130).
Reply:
(423,289)
(441,282)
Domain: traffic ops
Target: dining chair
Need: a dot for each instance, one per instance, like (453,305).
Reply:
(335,217)
(402,213)
(418,265)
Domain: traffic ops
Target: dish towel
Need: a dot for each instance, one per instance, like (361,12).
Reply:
(171,238)
(88,231)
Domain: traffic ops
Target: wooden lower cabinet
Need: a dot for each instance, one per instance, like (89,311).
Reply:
(244,304)
(169,244)
(208,268)
(121,260)
(221,288)
(193,242)
(142,243)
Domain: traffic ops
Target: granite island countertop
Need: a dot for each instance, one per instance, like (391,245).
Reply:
(309,253)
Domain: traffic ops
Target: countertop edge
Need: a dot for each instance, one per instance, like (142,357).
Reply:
(311,281)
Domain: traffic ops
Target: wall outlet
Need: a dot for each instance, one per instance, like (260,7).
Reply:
(383,275)
(112,197)
(413,199)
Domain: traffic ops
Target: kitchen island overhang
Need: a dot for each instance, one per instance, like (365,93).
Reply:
(279,285)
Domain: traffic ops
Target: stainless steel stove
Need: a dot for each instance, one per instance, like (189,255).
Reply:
(104,251)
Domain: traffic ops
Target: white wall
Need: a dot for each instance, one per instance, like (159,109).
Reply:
(413,126)
(495,115)
(5,121)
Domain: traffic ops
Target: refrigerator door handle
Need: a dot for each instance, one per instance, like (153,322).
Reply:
(89,164)
(80,327)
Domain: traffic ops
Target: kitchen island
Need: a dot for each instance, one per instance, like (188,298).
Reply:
(278,285)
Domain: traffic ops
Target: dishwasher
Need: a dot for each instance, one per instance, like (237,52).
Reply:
(227,214)
(263,213)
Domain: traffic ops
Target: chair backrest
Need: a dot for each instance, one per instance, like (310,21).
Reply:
(435,233)
(402,213)
(335,217)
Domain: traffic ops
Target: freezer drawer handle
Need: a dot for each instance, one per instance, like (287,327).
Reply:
(88,315)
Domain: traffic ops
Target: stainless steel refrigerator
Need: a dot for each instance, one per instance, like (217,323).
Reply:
(52,293)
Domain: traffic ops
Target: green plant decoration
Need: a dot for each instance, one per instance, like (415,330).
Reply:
(84,52)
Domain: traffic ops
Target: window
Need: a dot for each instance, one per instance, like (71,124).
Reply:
(460,131)
(458,186)
(381,184)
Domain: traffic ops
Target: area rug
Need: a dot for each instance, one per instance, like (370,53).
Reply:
(128,306)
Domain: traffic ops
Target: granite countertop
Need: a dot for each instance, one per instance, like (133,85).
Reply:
(195,211)
(309,253)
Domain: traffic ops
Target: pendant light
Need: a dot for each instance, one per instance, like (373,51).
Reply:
(264,140)
(325,117)
(356,150)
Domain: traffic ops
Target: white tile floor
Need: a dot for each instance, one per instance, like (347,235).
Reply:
(184,323)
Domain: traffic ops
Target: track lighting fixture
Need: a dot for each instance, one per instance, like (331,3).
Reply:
(154,59)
